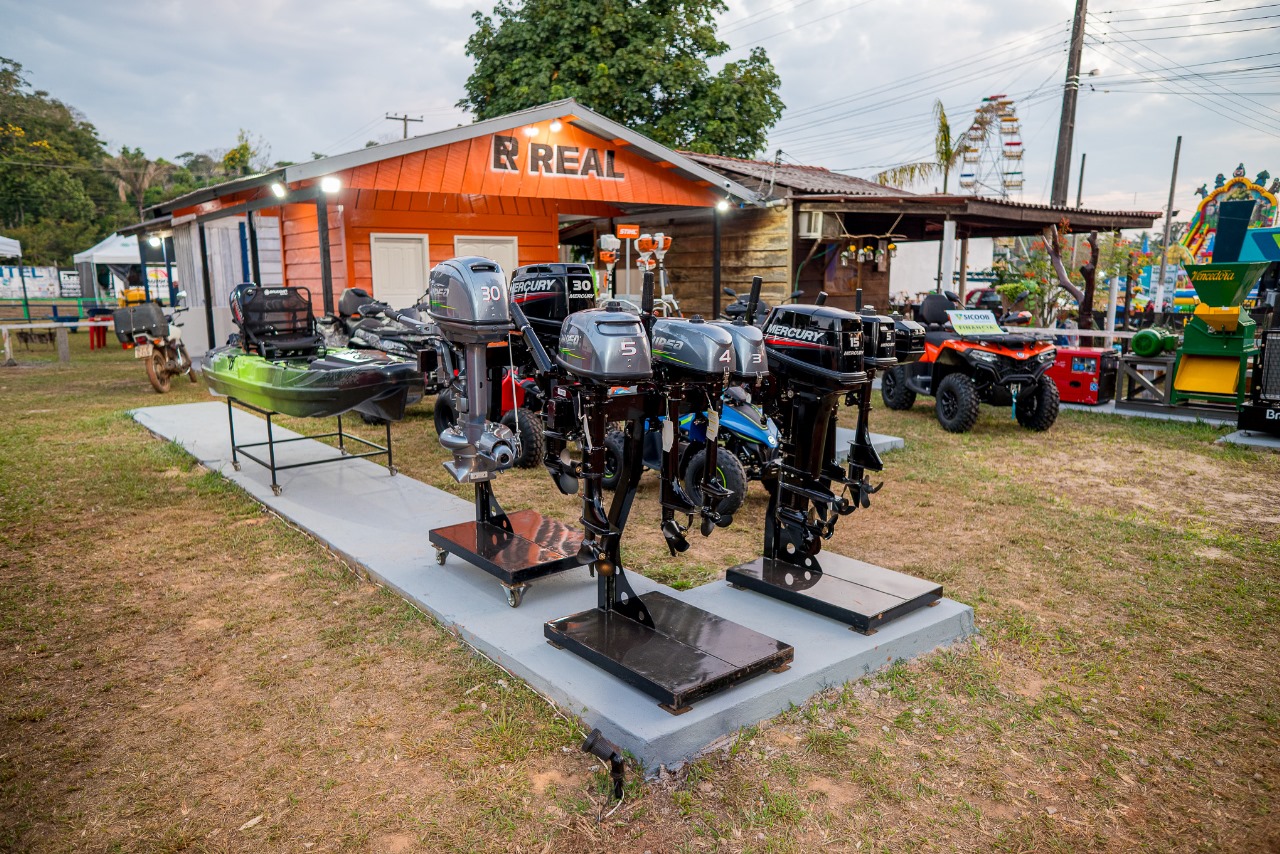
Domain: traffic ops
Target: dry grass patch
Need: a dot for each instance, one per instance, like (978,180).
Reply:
(181,671)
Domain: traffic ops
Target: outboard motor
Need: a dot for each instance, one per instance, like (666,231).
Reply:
(548,293)
(469,303)
(908,344)
(878,340)
(816,361)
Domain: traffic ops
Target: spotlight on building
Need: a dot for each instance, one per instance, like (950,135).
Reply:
(556,126)
(154,240)
(722,205)
(279,190)
(330,184)
(531,131)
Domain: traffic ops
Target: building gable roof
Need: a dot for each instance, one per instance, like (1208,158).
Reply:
(780,180)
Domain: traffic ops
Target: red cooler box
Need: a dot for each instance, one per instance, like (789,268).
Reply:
(1085,374)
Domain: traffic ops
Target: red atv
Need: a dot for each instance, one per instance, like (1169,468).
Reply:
(961,371)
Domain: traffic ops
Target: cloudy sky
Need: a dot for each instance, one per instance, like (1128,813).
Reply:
(859,77)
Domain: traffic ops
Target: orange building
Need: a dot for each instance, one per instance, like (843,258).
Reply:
(381,217)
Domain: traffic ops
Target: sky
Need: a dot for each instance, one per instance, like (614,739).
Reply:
(859,77)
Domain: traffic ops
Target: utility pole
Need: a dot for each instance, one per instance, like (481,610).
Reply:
(1168,223)
(404,120)
(1067,124)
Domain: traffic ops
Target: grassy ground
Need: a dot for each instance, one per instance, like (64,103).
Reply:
(181,671)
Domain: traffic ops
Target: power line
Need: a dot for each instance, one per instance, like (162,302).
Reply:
(1183,26)
(1207,35)
(1189,14)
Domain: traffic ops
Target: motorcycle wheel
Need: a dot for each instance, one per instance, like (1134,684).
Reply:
(733,477)
(613,441)
(158,371)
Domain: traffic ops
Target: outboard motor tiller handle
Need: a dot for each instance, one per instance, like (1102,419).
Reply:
(539,353)
(753,301)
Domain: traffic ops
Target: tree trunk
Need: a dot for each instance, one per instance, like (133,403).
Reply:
(1055,256)
(1088,272)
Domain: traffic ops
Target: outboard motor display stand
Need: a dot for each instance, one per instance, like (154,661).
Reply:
(816,361)
(470,304)
(675,652)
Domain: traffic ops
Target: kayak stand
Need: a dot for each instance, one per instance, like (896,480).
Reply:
(343,437)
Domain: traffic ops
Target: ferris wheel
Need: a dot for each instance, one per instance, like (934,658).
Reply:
(993,149)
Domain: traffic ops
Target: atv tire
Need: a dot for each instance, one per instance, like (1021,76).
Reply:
(530,435)
(893,389)
(1038,409)
(733,477)
(613,441)
(957,403)
(445,416)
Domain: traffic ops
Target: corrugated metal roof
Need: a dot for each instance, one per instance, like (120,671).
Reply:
(806,179)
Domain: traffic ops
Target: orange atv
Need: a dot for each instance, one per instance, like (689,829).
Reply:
(961,371)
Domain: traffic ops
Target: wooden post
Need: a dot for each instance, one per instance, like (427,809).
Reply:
(964,266)
(8,349)
(64,345)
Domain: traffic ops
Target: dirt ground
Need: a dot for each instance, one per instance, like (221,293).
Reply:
(180,670)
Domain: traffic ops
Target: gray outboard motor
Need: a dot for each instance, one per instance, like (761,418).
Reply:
(469,303)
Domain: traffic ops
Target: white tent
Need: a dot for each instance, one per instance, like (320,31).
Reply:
(10,248)
(114,249)
(118,254)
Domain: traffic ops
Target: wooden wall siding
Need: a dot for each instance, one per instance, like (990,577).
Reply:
(301,251)
(466,168)
(752,243)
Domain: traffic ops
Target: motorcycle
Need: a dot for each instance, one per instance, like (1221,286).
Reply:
(162,348)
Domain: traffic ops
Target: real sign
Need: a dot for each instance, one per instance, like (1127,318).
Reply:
(540,158)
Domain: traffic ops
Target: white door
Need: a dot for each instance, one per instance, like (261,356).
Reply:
(504,250)
(399,268)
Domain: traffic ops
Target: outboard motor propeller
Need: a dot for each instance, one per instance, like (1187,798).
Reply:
(470,305)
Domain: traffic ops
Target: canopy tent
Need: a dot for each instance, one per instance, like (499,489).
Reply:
(117,253)
(10,248)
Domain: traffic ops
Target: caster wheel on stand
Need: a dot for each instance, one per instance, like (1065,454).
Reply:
(515,594)
(276,489)
(236,466)
(441,555)
(393,471)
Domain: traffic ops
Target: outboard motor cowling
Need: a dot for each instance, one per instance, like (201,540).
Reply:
(692,348)
(750,361)
(605,346)
(817,344)
(548,293)
(878,341)
(469,303)
(468,300)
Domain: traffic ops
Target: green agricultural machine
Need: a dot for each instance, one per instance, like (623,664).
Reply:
(1218,342)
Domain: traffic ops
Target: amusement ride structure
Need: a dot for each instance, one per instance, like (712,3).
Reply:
(993,149)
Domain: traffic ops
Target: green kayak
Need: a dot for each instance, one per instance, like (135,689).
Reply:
(372,383)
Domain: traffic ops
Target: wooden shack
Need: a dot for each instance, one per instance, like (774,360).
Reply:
(381,217)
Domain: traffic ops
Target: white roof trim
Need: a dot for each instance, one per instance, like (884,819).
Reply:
(586,119)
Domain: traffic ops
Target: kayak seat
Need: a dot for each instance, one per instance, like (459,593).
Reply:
(276,323)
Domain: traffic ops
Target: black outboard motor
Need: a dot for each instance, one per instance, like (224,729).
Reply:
(548,293)
(908,339)
(470,306)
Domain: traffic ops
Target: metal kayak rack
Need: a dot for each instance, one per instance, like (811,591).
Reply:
(344,438)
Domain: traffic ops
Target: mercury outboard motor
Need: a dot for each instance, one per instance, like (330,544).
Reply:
(469,304)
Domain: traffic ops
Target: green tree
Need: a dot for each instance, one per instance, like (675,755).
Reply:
(642,64)
(948,148)
(135,174)
(55,195)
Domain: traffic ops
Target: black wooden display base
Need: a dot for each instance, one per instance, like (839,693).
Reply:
(855,593)
(239,450)
(687,654)
(534,547)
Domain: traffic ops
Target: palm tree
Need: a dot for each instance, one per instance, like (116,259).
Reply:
(134,173)
(948,149)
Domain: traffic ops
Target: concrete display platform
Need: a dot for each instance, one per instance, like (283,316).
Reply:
(1110,409)
(380,522)
(879,441)
(1252,439)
